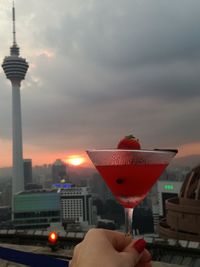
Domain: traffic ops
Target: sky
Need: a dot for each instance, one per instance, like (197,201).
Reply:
(100,70)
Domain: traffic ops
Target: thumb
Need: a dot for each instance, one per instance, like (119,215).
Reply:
(133,251)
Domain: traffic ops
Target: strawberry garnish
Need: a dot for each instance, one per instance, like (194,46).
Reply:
(129,142)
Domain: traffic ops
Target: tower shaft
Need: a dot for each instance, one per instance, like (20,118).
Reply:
(18,175)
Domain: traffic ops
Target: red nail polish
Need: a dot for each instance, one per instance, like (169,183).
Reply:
(139,245)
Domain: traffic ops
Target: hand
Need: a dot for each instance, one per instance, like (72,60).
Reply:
(106,248)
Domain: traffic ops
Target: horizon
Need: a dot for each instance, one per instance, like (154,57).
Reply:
(87,164)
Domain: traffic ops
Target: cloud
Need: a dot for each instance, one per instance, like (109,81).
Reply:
(102,69)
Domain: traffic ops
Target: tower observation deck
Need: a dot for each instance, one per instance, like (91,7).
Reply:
(15,68)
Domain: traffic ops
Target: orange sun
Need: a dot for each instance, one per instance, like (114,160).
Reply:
(75,160)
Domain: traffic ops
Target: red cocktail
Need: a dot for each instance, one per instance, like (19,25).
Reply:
(130,174)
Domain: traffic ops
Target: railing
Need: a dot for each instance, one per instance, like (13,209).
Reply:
(31,259)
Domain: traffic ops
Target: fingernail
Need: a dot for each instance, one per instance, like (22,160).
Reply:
(139,245)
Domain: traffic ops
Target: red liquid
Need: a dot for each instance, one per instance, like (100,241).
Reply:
(131,183)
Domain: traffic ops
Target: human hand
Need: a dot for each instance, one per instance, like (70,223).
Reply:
(106,248)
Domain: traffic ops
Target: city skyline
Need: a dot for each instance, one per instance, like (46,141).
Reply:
(101,70)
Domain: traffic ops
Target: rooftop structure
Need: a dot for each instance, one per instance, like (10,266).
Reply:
(183,213)
(15,68)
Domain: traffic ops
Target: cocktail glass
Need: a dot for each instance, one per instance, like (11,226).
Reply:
(130,174)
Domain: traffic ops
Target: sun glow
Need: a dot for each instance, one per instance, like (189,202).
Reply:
(75,160)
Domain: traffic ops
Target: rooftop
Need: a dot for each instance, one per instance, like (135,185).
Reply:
(62,253)
(37,191)
(165,253)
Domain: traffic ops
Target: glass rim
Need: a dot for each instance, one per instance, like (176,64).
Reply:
(175,151)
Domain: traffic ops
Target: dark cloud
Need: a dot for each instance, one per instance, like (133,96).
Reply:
(128,33)
(148,49)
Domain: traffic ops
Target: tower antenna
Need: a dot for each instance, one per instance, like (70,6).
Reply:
(13,18)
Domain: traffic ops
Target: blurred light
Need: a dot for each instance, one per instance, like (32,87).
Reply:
(53,237)
(75,160)
(168,187)
(65,185)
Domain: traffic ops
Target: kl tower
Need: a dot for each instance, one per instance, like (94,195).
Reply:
(15,68)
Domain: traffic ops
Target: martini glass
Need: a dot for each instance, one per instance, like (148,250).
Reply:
(130,174)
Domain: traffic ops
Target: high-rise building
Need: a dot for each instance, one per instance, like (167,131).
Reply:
(162,191)
(28,177)
(59,171)
(15,68)
(99,188)
(76,205)
(166,190)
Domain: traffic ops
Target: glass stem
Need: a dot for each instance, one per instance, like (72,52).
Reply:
(128,221)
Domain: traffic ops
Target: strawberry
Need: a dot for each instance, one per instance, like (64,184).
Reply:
(129,142)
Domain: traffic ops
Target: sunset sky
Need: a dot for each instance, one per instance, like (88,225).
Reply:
(101,69)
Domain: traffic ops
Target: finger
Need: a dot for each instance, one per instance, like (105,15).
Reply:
(145,256)
(119,240)
(136,245)
(114,239)
(134,251)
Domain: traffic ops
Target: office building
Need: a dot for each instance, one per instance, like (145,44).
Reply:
(76,205)
(99,188)
(28,177)
(166,190)
(36,209)
(161,191)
